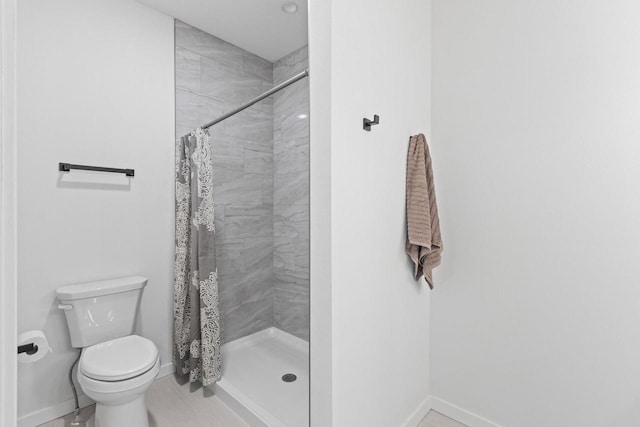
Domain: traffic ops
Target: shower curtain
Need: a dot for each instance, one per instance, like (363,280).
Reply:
(196,311)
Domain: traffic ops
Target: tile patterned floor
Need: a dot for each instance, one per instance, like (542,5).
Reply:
(173,403)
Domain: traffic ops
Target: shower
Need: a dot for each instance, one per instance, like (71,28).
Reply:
(257,115)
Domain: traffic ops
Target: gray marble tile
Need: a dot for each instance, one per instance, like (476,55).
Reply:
(299,287)
(227,159)
(194,110)
(284,254)
(257,66)
(187,70)
(268,100)
(286,61)
(291,221)
(265,87)
(267,192)
(277,135)
(237,187)
(291,312)
(246,290)
(295,278)
(281,146)
(288,281)
(302,258)
(291,156)
(294,124)
(283,69)
(227,146)
(265,146)
(249,210)
(291,192)
(254,124)
(254,300)
(290,64)
(209,46)
(288,259)
(291,188)
(221,82)
(229,256)
(257,254)
(302,55)
(261,178)
(229,180)
(294,97)
(246,318)
(246,285)
(250,285)
(258,162)
(225,162)
(212,77)
(248,227)
(248,277)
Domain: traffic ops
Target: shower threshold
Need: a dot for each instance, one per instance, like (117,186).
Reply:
(265,379)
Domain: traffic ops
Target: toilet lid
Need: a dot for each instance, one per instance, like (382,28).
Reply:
(119,359)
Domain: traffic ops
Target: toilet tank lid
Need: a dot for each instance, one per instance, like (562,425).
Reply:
(101,287)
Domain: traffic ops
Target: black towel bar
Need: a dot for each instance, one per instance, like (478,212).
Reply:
(66,167)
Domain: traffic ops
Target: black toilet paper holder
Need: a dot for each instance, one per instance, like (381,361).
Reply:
(30,348)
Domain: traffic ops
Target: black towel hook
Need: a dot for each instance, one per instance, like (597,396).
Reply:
(366,123)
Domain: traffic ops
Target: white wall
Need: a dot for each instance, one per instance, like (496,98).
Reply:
(536,316)
(95,86)
(379,320)
(8,213)
(320,284)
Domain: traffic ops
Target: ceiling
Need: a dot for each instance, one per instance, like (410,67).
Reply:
(258,26)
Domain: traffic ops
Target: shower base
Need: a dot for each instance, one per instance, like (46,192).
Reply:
(252,379)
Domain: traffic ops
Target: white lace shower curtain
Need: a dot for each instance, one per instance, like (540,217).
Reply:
(196,310)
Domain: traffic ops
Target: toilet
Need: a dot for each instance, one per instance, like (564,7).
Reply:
(116,367)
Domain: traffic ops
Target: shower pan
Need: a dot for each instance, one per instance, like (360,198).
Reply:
(266,378)
(257,113)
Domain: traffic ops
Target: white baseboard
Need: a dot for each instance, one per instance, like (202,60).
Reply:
(166,369)
(56,411)
(52,412)
(459,414)
(421,411)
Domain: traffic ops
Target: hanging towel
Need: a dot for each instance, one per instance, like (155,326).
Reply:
(424,242)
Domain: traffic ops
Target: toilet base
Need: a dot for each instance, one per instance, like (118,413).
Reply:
(120,403)
(131,414)
(111,416)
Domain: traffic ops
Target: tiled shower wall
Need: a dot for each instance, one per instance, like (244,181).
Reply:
(291,197)
(262,282)
(212,77)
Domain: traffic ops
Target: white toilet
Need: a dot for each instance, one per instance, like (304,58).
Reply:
(116,367)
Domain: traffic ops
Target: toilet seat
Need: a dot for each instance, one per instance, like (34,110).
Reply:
(119,359)
(98,390)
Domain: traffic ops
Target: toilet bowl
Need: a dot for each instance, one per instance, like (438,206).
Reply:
(116,366)
(116,374)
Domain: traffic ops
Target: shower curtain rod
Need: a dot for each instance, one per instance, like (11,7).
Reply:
(268,93)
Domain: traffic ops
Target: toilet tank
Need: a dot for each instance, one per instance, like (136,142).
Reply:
(101,311)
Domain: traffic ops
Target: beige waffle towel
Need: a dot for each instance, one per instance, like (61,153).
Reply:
(424,242)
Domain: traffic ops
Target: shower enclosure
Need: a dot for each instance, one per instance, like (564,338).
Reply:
(261,194)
